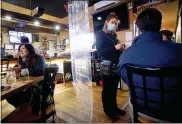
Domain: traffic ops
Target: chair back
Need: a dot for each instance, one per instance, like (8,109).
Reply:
(48,87)
(50,73)
(166,89)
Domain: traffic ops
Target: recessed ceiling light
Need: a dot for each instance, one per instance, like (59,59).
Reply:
(57,27)
(99,18)
(36,23)
(8,17)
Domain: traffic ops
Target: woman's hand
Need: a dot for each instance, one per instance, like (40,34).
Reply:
(17,69)
(118,46)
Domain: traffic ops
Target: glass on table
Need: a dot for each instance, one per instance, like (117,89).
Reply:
(25,72)
(11,77)
(17,71)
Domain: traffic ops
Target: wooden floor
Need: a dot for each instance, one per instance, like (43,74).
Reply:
(69,110)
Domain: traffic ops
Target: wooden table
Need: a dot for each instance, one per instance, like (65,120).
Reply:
(21,84)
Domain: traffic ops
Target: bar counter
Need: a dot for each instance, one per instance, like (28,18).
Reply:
(54,60)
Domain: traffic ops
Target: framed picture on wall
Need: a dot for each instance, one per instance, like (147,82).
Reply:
(8,46)
(35,38)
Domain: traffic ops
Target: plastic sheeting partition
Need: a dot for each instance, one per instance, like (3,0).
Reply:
(80,43)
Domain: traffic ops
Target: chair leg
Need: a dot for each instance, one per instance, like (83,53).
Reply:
(64,81)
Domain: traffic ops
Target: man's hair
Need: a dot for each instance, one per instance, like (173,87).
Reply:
(149,20)
(167,33)
(24,39)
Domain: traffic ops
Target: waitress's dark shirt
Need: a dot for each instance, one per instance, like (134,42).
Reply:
(37,68)
(105,45)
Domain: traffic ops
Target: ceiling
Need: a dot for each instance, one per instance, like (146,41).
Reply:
(21,18)
(92,2)
(139,2)
(27,28)
(51,7)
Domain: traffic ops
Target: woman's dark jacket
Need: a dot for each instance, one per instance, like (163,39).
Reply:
(36,65)
(105,45)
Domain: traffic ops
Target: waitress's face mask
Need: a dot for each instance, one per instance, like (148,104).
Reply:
(112,25)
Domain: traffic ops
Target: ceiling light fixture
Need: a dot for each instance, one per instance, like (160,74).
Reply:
(8,17)
(57,27)
(36,23)
(99,18)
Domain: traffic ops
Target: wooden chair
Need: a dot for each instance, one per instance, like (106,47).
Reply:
(168,106)
(67,72)
(24,114)
(49,86)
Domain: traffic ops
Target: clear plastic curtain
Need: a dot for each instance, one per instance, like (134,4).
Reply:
(80,43)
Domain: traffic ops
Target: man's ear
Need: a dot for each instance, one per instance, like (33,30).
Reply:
(139,31)
(169,37)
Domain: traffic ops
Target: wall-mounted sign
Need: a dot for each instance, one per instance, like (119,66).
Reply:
(153,4)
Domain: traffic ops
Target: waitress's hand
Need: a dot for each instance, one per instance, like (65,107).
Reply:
(118,46)
(123,47)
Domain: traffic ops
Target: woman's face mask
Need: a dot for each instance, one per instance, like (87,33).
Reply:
(112,25)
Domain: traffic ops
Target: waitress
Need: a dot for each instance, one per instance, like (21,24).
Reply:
(109,48)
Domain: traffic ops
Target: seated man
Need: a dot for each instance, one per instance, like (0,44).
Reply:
(24,40)
(149,50)
(166,35)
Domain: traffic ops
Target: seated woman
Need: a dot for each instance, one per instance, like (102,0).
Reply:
(36,66)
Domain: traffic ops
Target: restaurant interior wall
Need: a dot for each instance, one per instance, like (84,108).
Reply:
(63,35)
(49,37)
(122,35)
